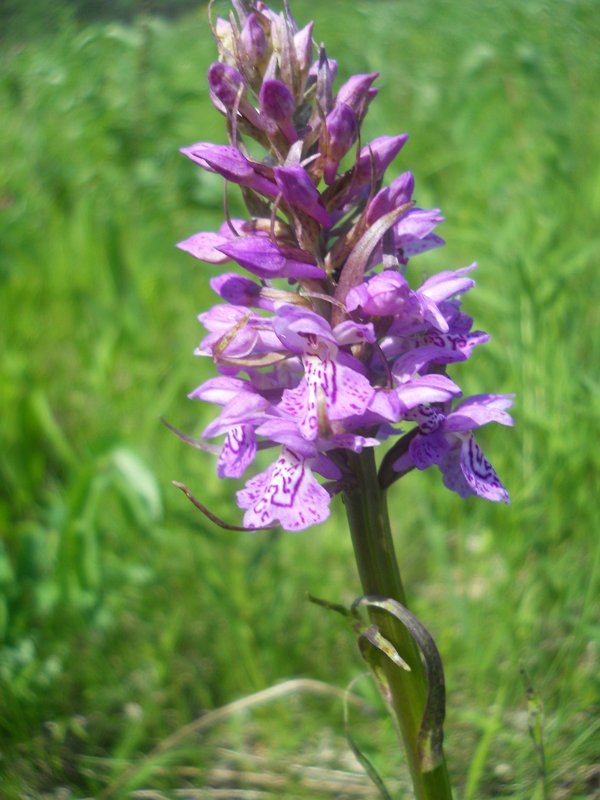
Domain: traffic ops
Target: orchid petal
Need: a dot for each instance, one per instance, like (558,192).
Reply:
(286,493)
(237,453)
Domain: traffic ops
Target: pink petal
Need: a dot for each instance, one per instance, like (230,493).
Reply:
(287,493)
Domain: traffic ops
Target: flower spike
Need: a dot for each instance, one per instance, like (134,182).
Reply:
(327,346)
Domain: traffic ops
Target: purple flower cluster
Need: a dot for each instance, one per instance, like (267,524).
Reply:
(319,352)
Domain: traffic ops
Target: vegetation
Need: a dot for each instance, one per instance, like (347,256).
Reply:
(123,614)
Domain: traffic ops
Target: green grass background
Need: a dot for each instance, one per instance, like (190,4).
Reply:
(123,614)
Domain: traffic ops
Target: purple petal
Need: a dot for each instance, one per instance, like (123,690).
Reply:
(429,449)
(328,389)
(428,418)
(427,389)
(417,222)
(245,408)
(412,246)
(326,467)
(355,92)
(263,258)
(420,357)
(204,247)
(479,410)
(276,100)
(350,441)
(432,314)
(298,327)
(286,431)
(457,346)
(398,193)
(221,320)
(253,40)
(468,472)
(381,152)
(286,493)
(447,284)
(219,390)
(237,453)
(221,158)
(350,332)
(231,164)
(338,136)
(225,82)
(239,291)
(299,191)
(385,294)
(303,46)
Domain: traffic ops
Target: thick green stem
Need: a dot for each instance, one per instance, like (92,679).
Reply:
(367,512)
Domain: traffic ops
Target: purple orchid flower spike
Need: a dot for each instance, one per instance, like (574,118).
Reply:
(341,348)
(333,346)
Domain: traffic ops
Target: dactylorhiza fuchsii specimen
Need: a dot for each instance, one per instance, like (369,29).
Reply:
(328,347)
(329,344)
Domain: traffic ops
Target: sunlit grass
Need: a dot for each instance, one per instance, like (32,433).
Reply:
(123,615)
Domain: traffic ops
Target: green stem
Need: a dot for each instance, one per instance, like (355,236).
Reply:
(368,518)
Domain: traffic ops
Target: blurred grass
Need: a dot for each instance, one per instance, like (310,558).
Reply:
(123,615)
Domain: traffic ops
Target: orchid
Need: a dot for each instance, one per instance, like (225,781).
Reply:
(327,351)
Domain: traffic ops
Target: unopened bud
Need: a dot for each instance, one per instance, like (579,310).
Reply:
(299,191)
(253,41)
(355,93)
(303,46)
(324,71)
(376,156)
(398,193)
(338,136)
(224,35)
(225,83)
(277,103)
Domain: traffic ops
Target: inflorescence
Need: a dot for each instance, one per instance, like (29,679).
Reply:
(326,348)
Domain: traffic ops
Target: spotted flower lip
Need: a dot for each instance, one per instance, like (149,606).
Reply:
(287,493)
(326,338)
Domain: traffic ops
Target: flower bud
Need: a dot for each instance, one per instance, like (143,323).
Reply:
(398,193)
(356,92)
(253,42)
(324,70)
(377,156)
(277,103)
(337,138)
(224,36)
(298,190)
(303,45)
(225,83)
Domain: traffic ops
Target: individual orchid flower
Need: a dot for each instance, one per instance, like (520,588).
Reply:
(448,441)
